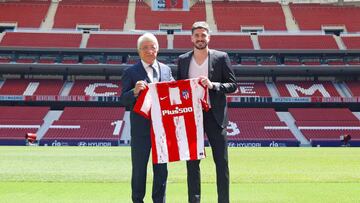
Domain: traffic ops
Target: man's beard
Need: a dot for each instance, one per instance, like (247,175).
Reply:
(202,46)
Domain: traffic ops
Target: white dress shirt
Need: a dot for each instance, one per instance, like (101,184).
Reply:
(149,70)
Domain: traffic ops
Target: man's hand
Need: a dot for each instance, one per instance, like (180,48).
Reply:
(206,82)
(139,86)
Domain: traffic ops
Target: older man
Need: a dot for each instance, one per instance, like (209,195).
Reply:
(134,80)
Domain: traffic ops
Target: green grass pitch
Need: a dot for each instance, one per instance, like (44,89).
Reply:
(102,174)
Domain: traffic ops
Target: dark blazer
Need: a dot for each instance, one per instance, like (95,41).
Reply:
(136,73)
(220,74)
(127,98)
(140,136)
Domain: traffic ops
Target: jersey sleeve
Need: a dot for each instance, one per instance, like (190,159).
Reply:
(143,103)
(203,95)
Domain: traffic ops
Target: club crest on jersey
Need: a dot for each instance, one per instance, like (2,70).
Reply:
(185,94)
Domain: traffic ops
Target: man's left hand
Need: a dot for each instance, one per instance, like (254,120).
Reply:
(206,82)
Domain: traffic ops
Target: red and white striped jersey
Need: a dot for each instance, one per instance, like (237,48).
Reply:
(175,109)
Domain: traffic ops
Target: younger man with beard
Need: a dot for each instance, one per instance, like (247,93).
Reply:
(214,70)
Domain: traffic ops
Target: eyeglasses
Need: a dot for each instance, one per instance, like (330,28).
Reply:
(148,48)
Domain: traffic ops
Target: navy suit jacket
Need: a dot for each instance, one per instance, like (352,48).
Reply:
(139,125)
(220,73)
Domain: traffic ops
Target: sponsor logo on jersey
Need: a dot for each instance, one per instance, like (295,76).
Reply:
(177,110)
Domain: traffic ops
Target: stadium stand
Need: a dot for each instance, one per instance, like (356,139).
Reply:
(96,88)
(23,112)
(292,61)
(184,18)
(87,125)
(16,39)
(32,13)
(316,16)
(306,89)
(297,42)
(253,114)
(91,60)
(5,59)
(124,41)
(248,14)
(322,114)
(354,88)
(227,42)
(182,42)
(253,124)
(256,131)
(47,59)
(351,42)
(252,89)
(26,59)
(31,87)
(105,14)
(70,60)
(114,60)
(16,121)
(352,60)
(15,130)
(91,113)
(78,130)
(318,124)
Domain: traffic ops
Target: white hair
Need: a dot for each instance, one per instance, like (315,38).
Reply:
(146,37)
